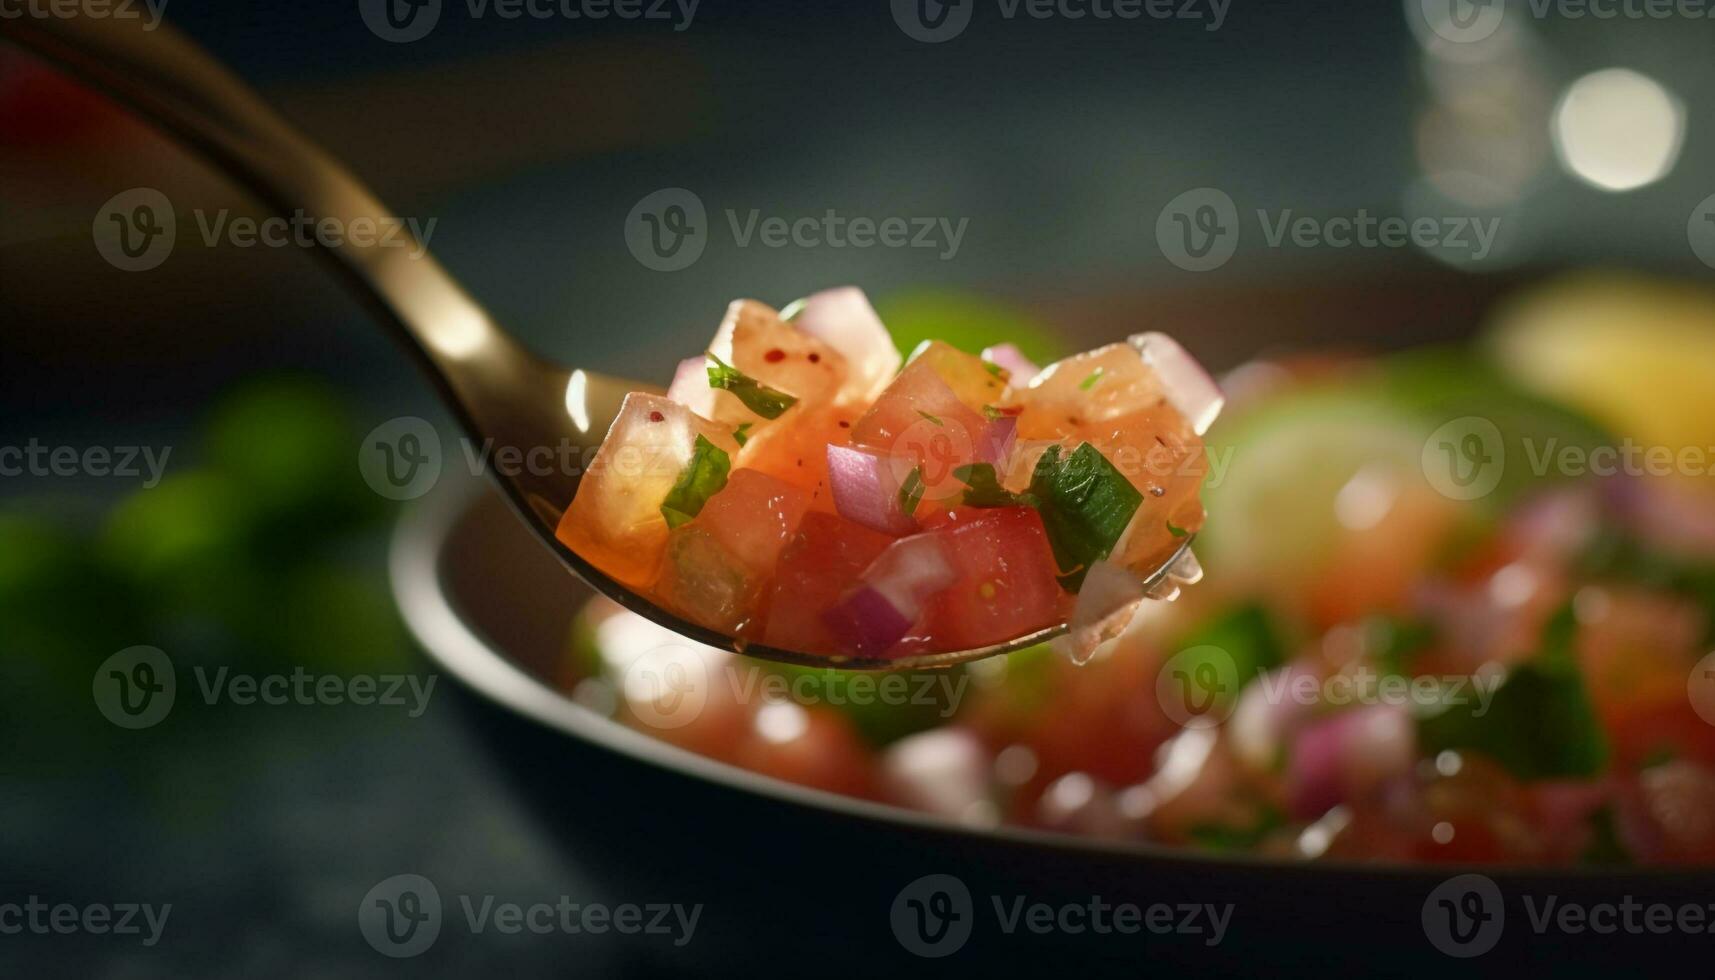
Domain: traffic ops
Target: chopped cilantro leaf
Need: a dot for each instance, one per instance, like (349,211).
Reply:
(996,370)
(756,396)
(702,479)
(741,435)
(1090,382)
(1086,504)
(1539,723)
(983,489)
(911,491)
(1176,530)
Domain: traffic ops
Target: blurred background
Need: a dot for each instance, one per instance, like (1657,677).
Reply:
(1047,156)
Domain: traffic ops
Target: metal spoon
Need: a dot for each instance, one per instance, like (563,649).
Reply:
(498,390)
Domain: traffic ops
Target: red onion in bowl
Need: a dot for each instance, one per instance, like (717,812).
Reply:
(1190,388)
(866,490)
(1014,362)
(844,320)
(1338,758)
(865,623)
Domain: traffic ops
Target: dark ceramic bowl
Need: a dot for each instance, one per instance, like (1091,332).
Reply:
(806,882)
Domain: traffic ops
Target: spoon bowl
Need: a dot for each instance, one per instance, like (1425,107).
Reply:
(506,398)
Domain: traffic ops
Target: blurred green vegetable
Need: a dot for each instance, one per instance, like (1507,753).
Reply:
(1540,723)
(967,322)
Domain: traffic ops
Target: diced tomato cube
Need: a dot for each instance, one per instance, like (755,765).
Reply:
(1005,585)
(971,378)
(922,425)
(754,516)
(817,566)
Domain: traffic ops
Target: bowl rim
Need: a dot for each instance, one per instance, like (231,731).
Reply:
(455,646)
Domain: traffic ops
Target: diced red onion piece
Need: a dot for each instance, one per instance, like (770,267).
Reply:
(844,320)
(690,386)
(891,594)
(995,444)
(865,622)
(1189,387)
(910,571)
(1346,754)
(1013,360)
(866,490)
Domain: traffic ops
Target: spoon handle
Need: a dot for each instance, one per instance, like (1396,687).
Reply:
(172,82)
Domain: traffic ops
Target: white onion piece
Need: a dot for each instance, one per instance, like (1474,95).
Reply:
(944,772)
(844,320)
(1266,716)
(690,386)
(1014,362)
(1190,388)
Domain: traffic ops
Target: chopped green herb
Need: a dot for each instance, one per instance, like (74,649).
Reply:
(702,479)
(1090,382)
(1176,530)
(996,370)
(1539,723)
(1225,837)
(1086,504)
(932,418)
(756,396)
(991,413)
(741,435)
(983,489)
(911,490)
